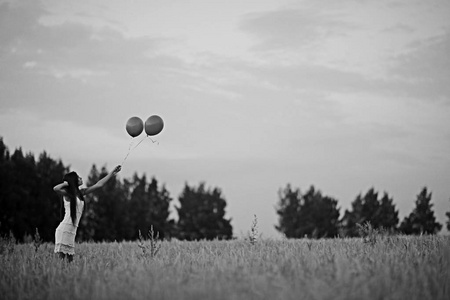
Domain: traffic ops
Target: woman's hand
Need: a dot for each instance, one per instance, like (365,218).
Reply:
(117,169)
(102,181)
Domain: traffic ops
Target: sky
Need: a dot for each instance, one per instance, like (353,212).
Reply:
(342,95)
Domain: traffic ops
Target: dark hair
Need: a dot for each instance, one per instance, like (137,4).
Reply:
(73,192)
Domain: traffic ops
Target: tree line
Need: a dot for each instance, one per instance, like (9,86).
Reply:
(123,208)
(314,215)
(117,212)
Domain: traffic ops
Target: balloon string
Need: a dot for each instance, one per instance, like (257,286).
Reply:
(131,149)
(131,144)
(138,143)
(153,141)
(123,161)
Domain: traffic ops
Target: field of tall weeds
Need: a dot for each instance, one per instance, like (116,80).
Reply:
(391,267)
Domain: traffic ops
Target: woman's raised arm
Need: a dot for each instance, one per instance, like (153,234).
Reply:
(102,181)
(61,188)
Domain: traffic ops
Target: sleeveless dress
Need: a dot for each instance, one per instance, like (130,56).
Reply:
(66,231)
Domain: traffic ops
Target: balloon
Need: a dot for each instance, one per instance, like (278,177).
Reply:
(135,126)
(154,125)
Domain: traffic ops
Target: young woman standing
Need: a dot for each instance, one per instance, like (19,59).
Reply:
(73,205)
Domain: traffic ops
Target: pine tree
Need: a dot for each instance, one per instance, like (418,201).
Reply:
(387,215)
(421,220)
(319,215)
(380,213)
(7,205)
(311,214)
(149,206)
(104,217)
(27,200)
(288,209)
(47,202)
(201,214)
(159,202)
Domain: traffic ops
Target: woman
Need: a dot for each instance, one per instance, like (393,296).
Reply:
(73,206)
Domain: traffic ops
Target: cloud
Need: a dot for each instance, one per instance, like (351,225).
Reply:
(309,81)
(75,71)
(94,75)
(425,69)
(49,133)
(355,47)
(293,28)
(17,21)
(399,28)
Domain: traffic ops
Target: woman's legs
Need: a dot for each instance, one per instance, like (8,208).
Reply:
(64,256)
(61,255)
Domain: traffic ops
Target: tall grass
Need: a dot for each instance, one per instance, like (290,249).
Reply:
(396,267)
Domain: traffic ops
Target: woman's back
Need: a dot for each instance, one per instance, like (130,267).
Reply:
(80,206)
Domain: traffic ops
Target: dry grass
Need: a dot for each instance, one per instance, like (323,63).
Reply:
(253,234)
(395,267)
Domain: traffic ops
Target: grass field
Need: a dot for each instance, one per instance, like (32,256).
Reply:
(394,267)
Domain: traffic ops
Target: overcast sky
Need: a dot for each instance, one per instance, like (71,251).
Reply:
(343,95)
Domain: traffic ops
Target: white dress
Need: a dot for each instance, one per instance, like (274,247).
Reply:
(66,231)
